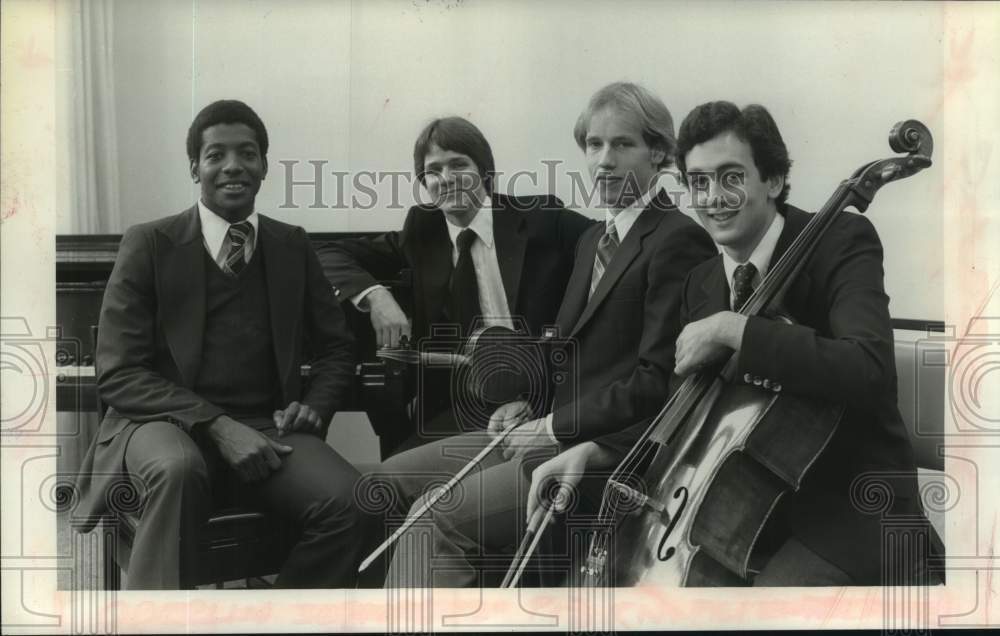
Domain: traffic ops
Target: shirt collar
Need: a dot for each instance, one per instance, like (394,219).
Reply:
(624,219)
(761,255)
(214,228)
(482,225)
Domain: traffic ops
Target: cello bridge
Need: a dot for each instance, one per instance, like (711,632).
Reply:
(595,563)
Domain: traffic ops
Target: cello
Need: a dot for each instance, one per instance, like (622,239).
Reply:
(690,500)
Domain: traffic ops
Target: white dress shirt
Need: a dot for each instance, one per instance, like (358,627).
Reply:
(492,295)
(215,232)
(760,257)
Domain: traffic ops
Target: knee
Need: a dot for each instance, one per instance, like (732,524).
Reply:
(184,469)
(381,493)
(336,513)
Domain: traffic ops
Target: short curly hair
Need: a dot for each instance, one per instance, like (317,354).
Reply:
(224,111)
(753,124)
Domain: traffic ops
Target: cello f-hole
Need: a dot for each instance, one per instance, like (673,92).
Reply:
(682,494)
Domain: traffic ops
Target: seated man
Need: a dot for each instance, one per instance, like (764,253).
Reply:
(203,330)
(472,252)
(618,322)
(840,350)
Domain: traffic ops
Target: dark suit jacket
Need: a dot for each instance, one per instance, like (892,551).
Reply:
(620,349)
(535,242)
(151,326)
(839,350)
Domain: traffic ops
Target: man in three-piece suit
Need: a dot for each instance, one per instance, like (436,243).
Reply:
(207,319)
(620,313)
(840,349)
(472,252)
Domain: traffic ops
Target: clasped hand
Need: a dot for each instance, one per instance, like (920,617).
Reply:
(250,453)
(254,455)
(530,433)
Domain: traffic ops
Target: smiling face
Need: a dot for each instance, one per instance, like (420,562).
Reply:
(230,168)
(622,166)
(733,202)
(454,183)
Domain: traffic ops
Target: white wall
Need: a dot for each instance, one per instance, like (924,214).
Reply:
(353,83)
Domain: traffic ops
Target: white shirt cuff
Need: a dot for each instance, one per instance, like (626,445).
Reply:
(357,298)
(548,428)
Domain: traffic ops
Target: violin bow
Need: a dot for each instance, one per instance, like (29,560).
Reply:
(539,521)
(434,498)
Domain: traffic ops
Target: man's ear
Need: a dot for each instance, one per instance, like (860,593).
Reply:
(264,174)
(194,172)
(656,155)
(775,185)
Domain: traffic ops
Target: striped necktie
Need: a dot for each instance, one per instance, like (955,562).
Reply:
(240,234)
(605,251)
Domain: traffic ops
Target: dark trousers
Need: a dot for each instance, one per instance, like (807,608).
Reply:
(795,565)
(181,478)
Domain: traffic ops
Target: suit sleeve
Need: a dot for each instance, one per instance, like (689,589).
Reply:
(354,265)
(328,341)
(641,395)
(126,379)
(850,360)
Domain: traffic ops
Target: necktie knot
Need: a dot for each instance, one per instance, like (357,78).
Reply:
(743,277)
(611,231)
(240,234)
(465,239)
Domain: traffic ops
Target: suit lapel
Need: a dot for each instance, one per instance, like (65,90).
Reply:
(508,228)
(181,273)
(575,298)
(624,255)
(284,273)
(795,221)
(715,293)
(435,266)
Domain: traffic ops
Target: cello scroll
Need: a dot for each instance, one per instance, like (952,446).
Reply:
(909,136)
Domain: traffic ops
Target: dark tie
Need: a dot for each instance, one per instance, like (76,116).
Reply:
(464,288)
(605,250)
(239,235)
(743,284)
